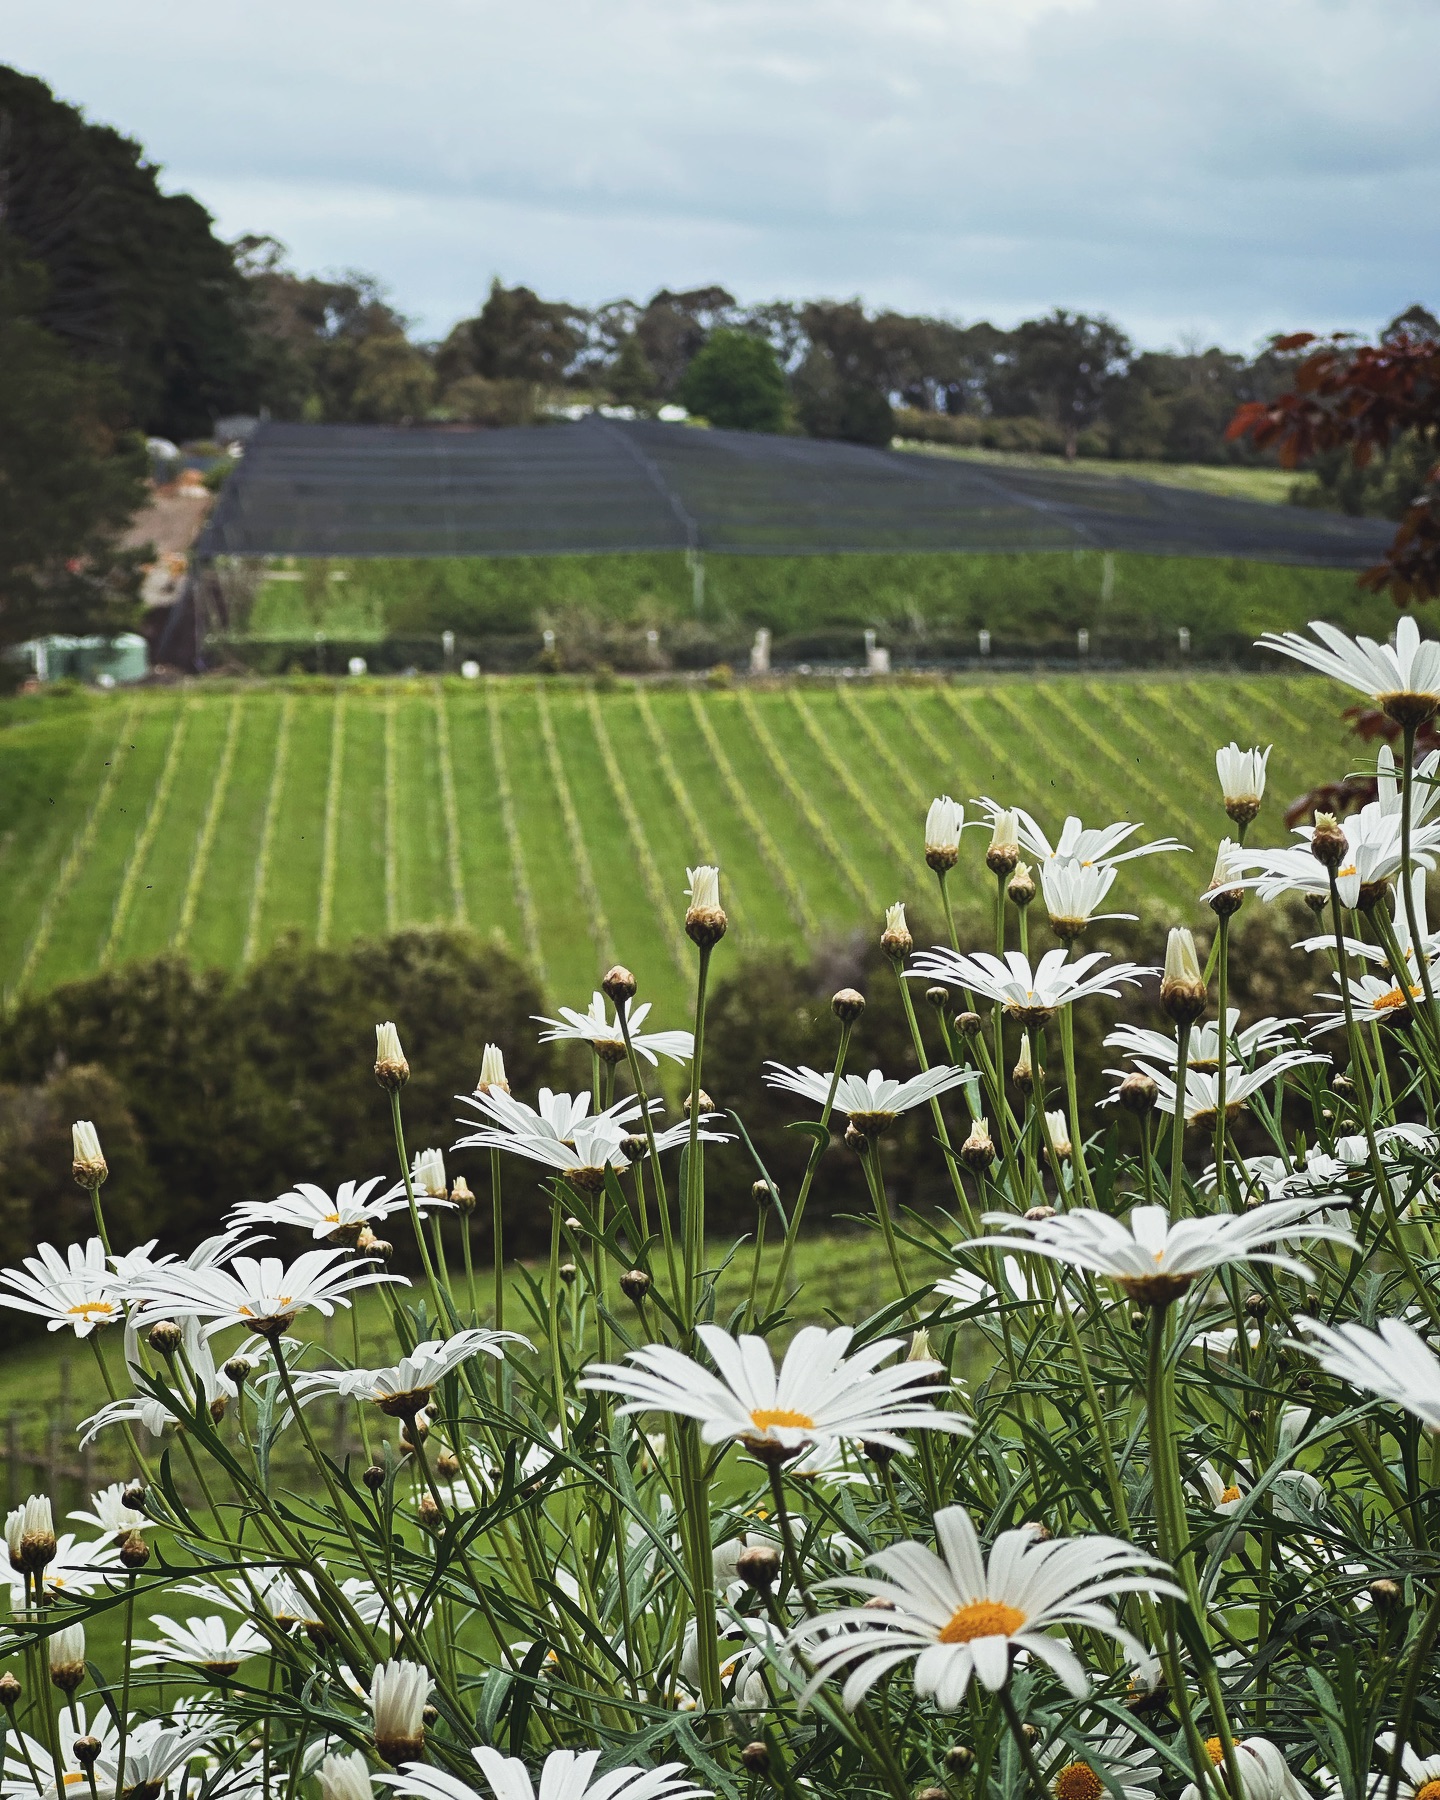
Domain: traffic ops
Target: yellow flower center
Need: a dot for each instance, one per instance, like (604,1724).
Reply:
(1216,1751)
(1231,1493)
(1078,1781)
(765,1418)
(1395,997)
(278,1307)
(92,1309)
(74,1776)
(1349,869)
(332,1218)
(1429,1791)
(982,1618)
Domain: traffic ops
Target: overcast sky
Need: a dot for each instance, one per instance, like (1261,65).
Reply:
(1212,169)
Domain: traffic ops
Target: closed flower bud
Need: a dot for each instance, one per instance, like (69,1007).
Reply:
(1023,1074)
(573,1224)
(618,985)
(895,939)
(1022,889)
(381,1248)
(1256,1305)
(705,920)
(943,824)
(938,997)
(1242,780)
(1328,842)
(633,1147)
(855,1140)
(705,1102)
(758,1566)
(462,1195)
(978,1150)
(755,1758)
(1004,850)
(87,1750)
(134,1495)
(882,1455)
(134,1551)
(10,1691)
(374,1478)
(762,1193)
(959,1759)
(1223,898)
(429,1513)
(1316,902)
(30,1535)
(932,1793)
(391,1069)
(1182,986)
(968,1024)
(568,1273)
(67,1658)
(635,1285)
(164,1337)
(492,1071)
(427,1175)
(1386,1594)
(847,1005)
(1037,1215)
(447,1465)
(88,1164)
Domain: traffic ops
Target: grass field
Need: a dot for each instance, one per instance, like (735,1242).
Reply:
(211,820)
(1236,481)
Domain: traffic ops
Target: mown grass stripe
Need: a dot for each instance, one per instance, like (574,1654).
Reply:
(392,809)
(574,834)
(519,879)
(261,878)
(666,905)
(76,855)
(1135,775)
(453,864)
(209,826)
(806,807)
(903,851)
(145,835)
(928,736)
(330,846)
(770,853)
(859,711)
(699,832)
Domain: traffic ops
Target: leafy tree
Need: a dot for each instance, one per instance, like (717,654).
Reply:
(673,327)
(1367,401)
(1060,367)
(631,379)
(842,388)
(71,478)
(517,336)
(137,279)
(735,382)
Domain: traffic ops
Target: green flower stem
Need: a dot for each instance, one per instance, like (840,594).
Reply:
(99,1211)
(817,1150)
(497,1239)
(1072,1094)
(1023,1745)
(1177,1123)
(662,1202)
(1222,943)
(1407,794)
(692,1212)
(962,1199)
(875,1181)
(695,1515)
(410,1199)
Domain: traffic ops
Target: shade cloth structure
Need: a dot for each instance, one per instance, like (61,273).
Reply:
(602,485)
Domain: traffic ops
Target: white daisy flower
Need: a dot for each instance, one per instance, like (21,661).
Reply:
(134,1268)
(110,1514)
(345,1776)
(603,1032)
(564,1775)
(427,1175)
(871,1101)
(1076,843)
(1223,1496)
(1264,1772)
(340,1219)
(1400,925)
(1242,779)
(263,1293)
(24,1754)
(76,1568)
(78,1289)
(1392,1362)
(1417,1773)
(1374,1000)
(1057,1133)
(817,1393)
(30,1532)
(1073,895)
(190,1378)
(1028,995)
(208,1644)
(399,1691)
(1403,679)
(1155,1261)
(1204,1047)
(1372,856)
(960,1616)
(1120,1758)
(1426,795)
(406,1386)
(555,1116)
(943,824)
(1202,1086)
(492,1071)
(153,1752)
(592,1148)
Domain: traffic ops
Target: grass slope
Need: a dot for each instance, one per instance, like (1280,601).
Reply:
(214,820)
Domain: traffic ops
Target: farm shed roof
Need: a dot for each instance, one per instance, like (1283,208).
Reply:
(605,485)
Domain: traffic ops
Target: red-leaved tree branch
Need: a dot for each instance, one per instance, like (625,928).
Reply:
(1363,398)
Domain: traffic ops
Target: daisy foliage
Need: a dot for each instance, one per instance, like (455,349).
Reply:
(556,1461)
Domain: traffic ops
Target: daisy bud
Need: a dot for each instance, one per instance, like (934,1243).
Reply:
(134,1551)
(1386,1594)
(1004,851)
(134,1497)
(943,825)
(1057,1128)
(761,1193)
(755,1758)
(30,1535)
(882,1455)
(896,940)
(87,1751)
(1182,986)
(1023,1074)
(67,1658)
(1137,1094)
(978,1150)
(391,1069)
(1328,842)
(492,1071)
(88,1165)
(932,1793)
(618,985)
(968,1024)
(938,997)
(568,1273)
(1316,902)
(1242,780)
(758,1566)
(463,1195)
(635,1285)
(345,1776)
(1022,889)
(398,1693)
(429,1513)
(10,1691)
(920,1350)
(706,1104)
(427,1175)
(847,1005)
(855,1139)
(1257,1305)
(876,1602)
(1037,1215)
(705,917)
(1222,897)
(633,1147)
(374,1478)
(959,1759)
(164,1337)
